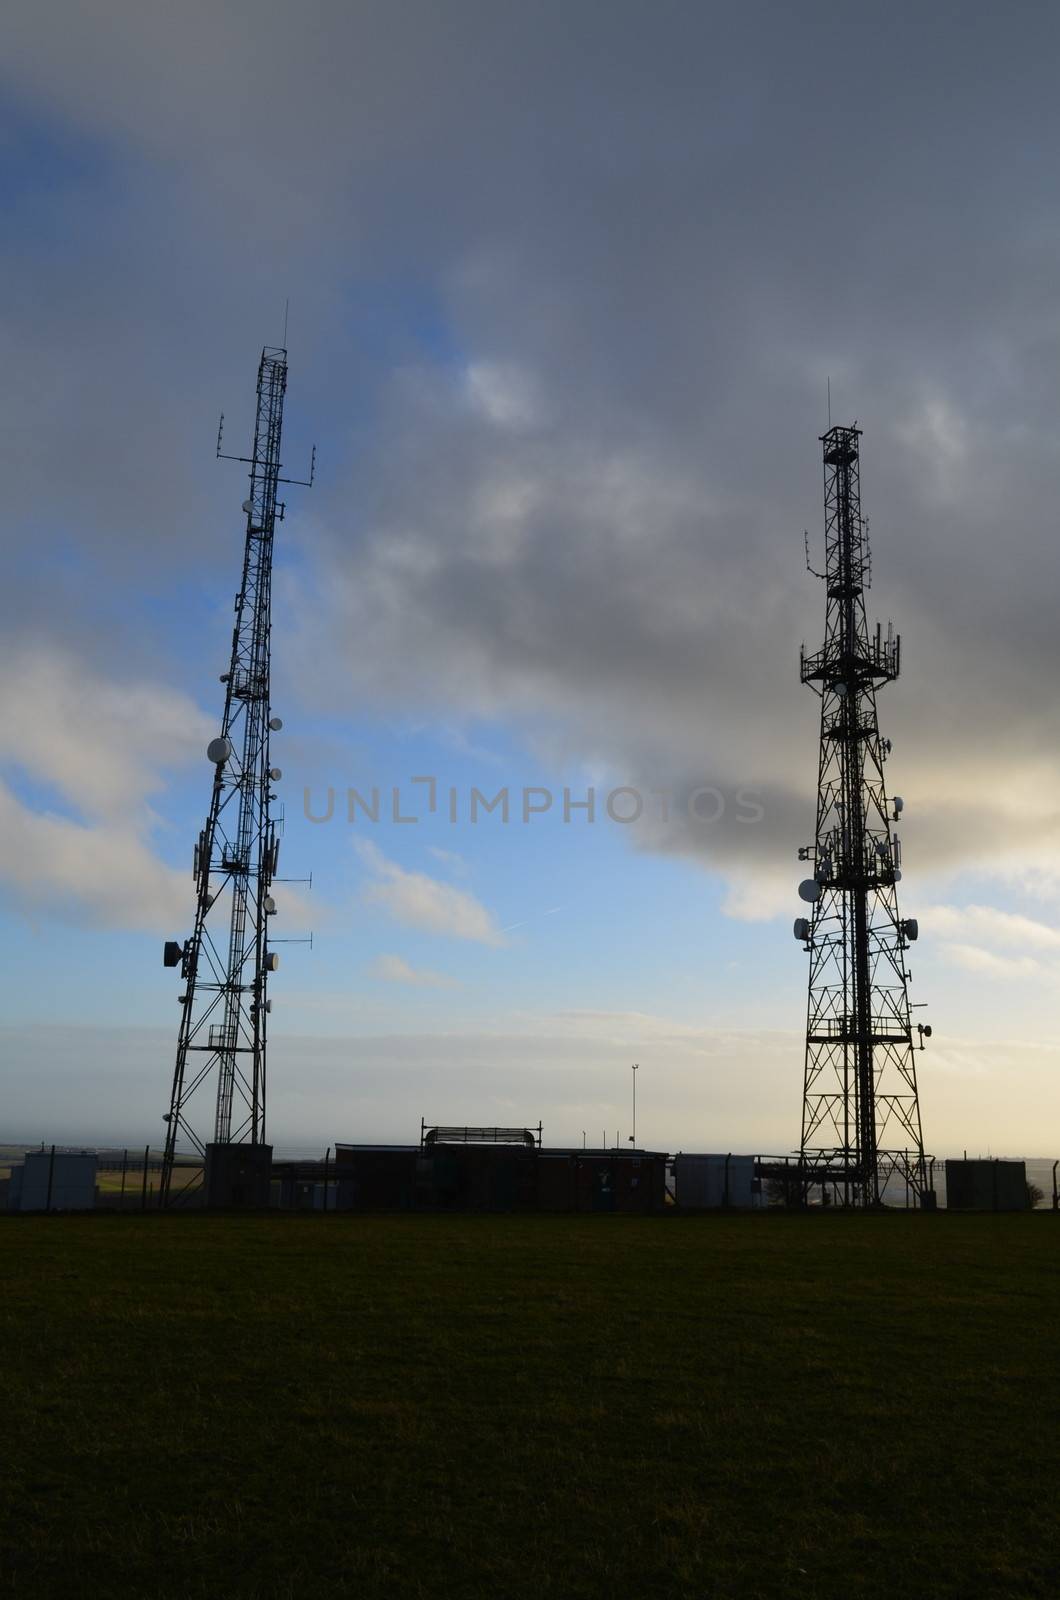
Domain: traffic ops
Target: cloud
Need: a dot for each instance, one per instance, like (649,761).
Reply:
(572,380)
(502,394)
(996,943)
(103,748)
(980,923)
(103,874)
(973,958)
(418,901)
(592,447)
(103,744)
(395,969)
(450,859)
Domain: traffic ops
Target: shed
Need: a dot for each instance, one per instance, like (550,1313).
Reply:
(708,1182)
(375,1177)
(986,1186)
(60,1180)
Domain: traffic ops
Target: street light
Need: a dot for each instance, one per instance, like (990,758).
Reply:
(633,1135)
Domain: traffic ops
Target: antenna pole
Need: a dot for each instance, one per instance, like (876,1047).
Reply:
(218,1097)
(861,1110)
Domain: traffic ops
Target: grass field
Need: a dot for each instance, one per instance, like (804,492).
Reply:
(747,1406)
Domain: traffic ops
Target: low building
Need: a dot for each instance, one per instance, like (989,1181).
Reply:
(53,1180)
(711,1182)
(627,1181)
(237,1176)
(375,1177)
(986,1186)
(513,1174)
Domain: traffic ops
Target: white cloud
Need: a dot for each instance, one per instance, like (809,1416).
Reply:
(102,747)
(503,394)
(941,437)
(395,969)
(451,859)
(419,901)
(973,958)
(987,922)
(103,873)
(100,743)
(972,933)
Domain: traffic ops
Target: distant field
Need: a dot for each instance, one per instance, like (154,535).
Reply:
(824,1405)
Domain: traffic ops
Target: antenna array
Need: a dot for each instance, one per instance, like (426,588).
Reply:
(861,1109)
(218,1095)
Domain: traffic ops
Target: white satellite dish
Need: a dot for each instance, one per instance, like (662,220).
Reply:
(248,505)
(275,774)
(270,906)
(809,890)
(801,929)
(899,804)
(219,750)
(275,723)
(272,961)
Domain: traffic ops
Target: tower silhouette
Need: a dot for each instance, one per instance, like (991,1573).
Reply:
(861,1109)
(217,1103)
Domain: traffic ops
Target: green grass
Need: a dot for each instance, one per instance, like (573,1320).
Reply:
(749,1406)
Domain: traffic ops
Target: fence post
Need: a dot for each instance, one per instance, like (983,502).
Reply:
(51,1174)
(143,1187)
(124,1165)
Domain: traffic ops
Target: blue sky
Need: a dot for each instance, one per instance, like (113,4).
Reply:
(565,291)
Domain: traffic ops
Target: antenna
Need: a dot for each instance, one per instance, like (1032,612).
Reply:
(828,381)
(861,1110)
(286,309)
(217,1103)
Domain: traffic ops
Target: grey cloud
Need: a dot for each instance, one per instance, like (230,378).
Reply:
(669,223)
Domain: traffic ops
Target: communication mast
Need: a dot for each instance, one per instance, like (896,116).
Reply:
(861,1110)
(217,1105)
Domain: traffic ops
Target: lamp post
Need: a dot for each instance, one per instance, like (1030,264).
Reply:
(633,1135)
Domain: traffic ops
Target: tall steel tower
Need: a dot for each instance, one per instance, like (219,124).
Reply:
(217,1106)
(861,1112)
